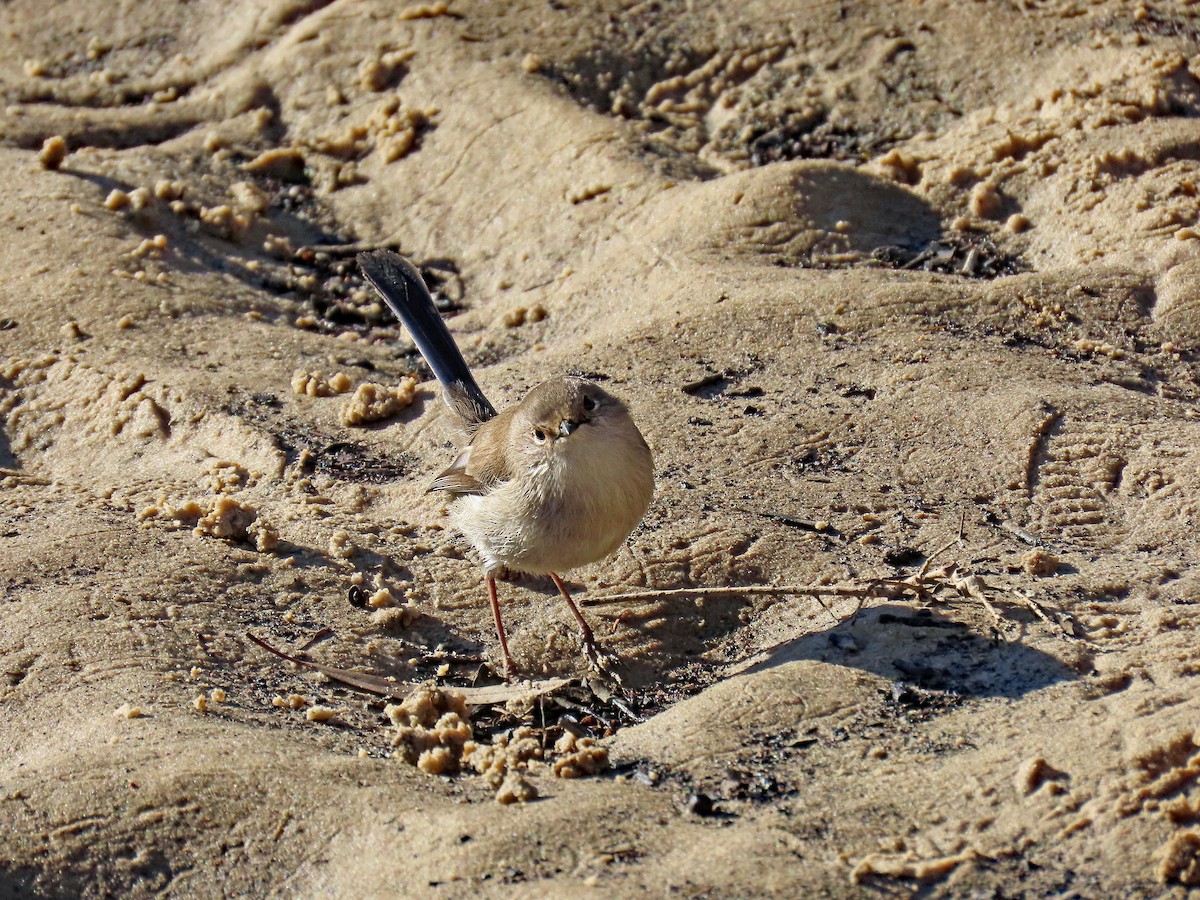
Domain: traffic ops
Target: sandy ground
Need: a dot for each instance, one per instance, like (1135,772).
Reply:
(877,280)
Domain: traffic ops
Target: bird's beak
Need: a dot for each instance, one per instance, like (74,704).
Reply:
(566,426)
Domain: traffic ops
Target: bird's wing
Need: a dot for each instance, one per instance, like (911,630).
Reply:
(456,479)
(482,465)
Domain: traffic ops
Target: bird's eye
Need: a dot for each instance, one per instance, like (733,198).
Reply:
(539,435)
(590,403)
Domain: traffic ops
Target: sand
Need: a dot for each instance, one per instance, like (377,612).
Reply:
(876,279)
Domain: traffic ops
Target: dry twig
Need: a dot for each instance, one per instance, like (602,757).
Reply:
(872,590)
(392,689)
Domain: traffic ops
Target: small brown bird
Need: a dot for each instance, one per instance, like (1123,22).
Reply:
(557,481)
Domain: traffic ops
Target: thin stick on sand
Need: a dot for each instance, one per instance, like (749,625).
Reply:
(398,690)
(871,590)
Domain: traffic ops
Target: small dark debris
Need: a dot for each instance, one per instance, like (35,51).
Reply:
(357,596)
(349,461)
(7,324)
(752,411)
(586,709)
(513,876)
(699,805)
(747,392)
(919,671)
(902,557)
(917,621)
(813,459)
(1161,24)
(910,696)
(755,784)
(970,255)
(255,408)
(708,387)
(812,137)
(696,420)
(856,391)
(590,376)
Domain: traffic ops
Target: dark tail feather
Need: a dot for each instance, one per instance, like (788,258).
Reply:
(403,290)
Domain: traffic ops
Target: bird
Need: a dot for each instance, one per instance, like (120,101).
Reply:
(556,481)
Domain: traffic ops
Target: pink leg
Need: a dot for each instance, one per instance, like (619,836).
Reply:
(510,667)
(589,644)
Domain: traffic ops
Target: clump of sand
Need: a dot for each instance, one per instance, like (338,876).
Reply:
(374,402)
(314,384)
(434,733)
(432,728)
(221,517)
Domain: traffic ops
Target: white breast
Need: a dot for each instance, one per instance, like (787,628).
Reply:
(575,508)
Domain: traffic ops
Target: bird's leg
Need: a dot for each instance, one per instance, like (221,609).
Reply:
(589,644)
(510,668)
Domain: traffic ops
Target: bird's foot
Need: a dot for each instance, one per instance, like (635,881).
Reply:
(603,664)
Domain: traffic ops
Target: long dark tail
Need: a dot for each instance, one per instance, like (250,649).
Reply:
(403,290)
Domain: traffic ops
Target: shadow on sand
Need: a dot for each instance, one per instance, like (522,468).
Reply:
(928,650)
